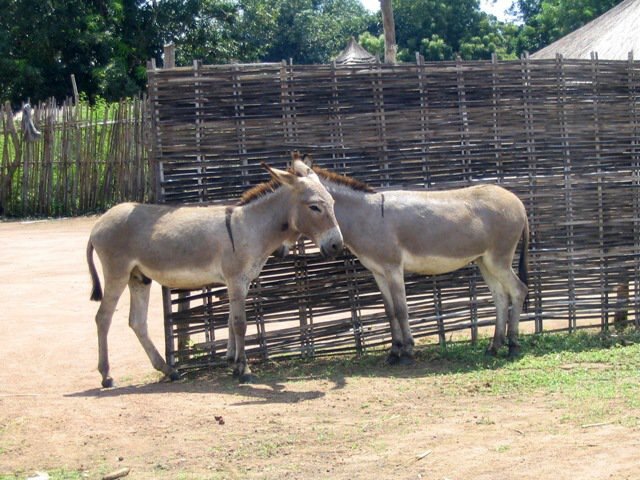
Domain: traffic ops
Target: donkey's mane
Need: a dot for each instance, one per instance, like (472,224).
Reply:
(272,185)
(343,180)
(259,191)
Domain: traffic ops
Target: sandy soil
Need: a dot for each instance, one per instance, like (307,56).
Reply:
(400,424)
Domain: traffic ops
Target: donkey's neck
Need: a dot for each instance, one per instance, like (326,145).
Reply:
(354,209)
(266,219)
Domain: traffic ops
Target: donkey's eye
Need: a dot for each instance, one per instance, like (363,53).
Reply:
(315,208)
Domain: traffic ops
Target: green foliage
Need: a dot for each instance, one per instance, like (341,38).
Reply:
(313,31)
(43,43)
(372,43)
(545,21)
(106,44)
(435,48)
(441,30)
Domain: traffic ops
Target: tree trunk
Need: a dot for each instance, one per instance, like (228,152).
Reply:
(390,47)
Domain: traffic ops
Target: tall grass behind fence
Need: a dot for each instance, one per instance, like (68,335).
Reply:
(88,158)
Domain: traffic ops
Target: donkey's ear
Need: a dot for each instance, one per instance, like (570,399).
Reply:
(306,158)
(308,161)
(282,176)
(302,168)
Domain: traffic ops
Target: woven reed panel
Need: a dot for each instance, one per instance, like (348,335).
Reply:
(561,134)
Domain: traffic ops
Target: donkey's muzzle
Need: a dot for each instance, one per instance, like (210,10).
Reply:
(332,248)
(281,252)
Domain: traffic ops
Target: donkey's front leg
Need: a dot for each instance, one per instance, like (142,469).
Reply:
(238,322)
(395,282)
(231,344)
(397,340)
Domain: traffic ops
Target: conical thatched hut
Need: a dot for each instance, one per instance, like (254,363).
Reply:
(612,36)
(354,54)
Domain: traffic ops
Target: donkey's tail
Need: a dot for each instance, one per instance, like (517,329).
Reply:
(96,291)
(523,264)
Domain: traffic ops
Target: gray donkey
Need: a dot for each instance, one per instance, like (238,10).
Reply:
(434,232)
(194,246)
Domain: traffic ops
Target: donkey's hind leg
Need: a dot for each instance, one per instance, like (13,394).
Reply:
(139,288)
(517,293)
(113,288)
(514,290)
(238,322)
(501,300)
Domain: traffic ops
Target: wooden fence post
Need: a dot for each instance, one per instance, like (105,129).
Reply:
(632,81)
(169,56)
(424,119)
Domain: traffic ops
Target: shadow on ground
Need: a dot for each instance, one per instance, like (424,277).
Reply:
(276,380)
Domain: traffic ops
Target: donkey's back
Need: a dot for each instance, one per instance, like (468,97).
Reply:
(179,247)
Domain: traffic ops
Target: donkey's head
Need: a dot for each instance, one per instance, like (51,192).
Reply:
(311,212)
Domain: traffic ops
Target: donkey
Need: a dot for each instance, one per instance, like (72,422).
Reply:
(191,246)
(434,232)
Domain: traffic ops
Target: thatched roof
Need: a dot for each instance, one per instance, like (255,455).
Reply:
(612,36)
(354,54)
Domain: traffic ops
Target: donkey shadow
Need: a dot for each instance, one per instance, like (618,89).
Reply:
(282,381)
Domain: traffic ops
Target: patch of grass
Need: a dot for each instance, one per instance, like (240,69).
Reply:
(596,374)
(57,474)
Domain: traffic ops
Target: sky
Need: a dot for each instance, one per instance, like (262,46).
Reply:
(496,8)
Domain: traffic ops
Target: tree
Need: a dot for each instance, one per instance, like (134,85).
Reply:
(372,43)
(201,29)
(439,29)
(548,20)
(220,31)
(45,42)
(314,31)
(104,43)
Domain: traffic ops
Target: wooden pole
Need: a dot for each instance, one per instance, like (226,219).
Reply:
(169,56)
(390,47)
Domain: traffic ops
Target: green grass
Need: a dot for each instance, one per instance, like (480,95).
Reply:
(580,366)
(597,375)
(57,474)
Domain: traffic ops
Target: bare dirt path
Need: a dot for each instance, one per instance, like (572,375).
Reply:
(401,424)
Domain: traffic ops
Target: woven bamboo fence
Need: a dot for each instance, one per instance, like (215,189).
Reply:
(86,160)
(561,134)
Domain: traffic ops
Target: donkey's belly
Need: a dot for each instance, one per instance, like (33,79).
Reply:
(433,264)
(186,277)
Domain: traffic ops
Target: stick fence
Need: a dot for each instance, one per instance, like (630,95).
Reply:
(561,134)
(86,160)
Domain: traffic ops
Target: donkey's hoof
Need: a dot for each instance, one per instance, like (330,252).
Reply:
(107,382)
(407,360)
(491,352)
(246,378)
(514,352)
(175,376)
(393,359)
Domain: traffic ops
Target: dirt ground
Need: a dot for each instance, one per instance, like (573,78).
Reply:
(400,424)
